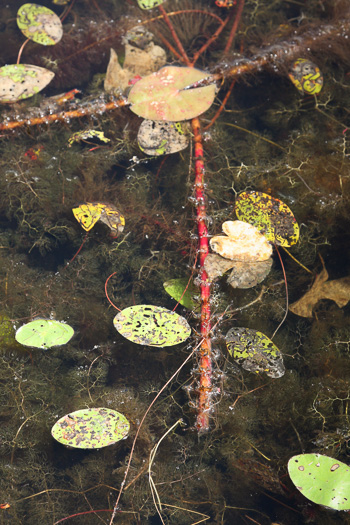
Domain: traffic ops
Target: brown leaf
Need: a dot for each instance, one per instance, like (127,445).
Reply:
(337,290)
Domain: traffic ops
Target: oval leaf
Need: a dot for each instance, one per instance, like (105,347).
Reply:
(175,288)
(20,81)
(162,95)
(271,216)
(306,77)
(161,138)
(91,428)
(321,479)
(254,351)
(152,326)
(40,24)
(44,333)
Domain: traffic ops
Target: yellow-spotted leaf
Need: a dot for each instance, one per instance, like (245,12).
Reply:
(91,428)
(88,213)
(152,326)
(255,352)
(20,81)
(86,135)
(149,4)
(306,76)
(40,24)
(172,93)
(270,216)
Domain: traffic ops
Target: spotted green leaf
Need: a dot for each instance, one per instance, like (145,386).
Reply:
(254,351)
(167,95)
(152,325)
(175,288)
(91,428)
(149,4)
(40,24)
(161,138)
(306,76)
(271,216)
(44,333)
(20,81)
(321,479)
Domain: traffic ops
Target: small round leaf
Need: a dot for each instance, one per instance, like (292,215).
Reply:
(91,428)
(321,479)
(44,333)
(20,81)
(254,351)
(152,325)
(270,216)
(161,138)
(40,24)
(162,95)
(149,4)
(306,76)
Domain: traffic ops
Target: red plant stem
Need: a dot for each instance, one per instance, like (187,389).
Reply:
(222,107)
(205,356)
(234,27)
(209,41)
(66,115)
(174,35)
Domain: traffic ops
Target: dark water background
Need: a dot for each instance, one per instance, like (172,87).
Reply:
(237,472)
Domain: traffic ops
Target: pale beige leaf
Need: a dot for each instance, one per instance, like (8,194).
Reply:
(243,243)
(337,290)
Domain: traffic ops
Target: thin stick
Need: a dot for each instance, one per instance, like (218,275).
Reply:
(174,35)
(106,292)
(287,299)
(234,27)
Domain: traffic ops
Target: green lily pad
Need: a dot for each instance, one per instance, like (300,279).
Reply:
(149,4)
(271,216)
(175,288)
(161,138)
(91,428)
(162,95)
(321,479)
(44,333)
(40,24)
(152,325)
(255,352)
(20,81)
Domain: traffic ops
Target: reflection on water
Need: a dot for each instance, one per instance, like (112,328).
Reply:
(269,139)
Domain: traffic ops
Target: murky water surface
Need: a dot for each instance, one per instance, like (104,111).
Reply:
(270,139)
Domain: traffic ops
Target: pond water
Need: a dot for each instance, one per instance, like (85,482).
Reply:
(270,139)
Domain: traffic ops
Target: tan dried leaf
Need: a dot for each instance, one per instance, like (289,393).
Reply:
(337,290)
(243,243)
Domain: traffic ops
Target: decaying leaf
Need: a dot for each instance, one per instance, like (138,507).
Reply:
(162,138)
(40,24)
(337,290)
(243,242)
(87,134)
(248,274)
(138,60)
(216,266)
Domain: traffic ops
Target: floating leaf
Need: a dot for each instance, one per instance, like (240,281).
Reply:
(255,352)
(91,428)
(87,134)
(152,326)
(40,24)
(337,290)
(166,95)
(44,333)
(149,4)
(175,288)
(88,213)
(306,77)
(244,242)
(161,138)
(271,216)
(20,81)
(321,479)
